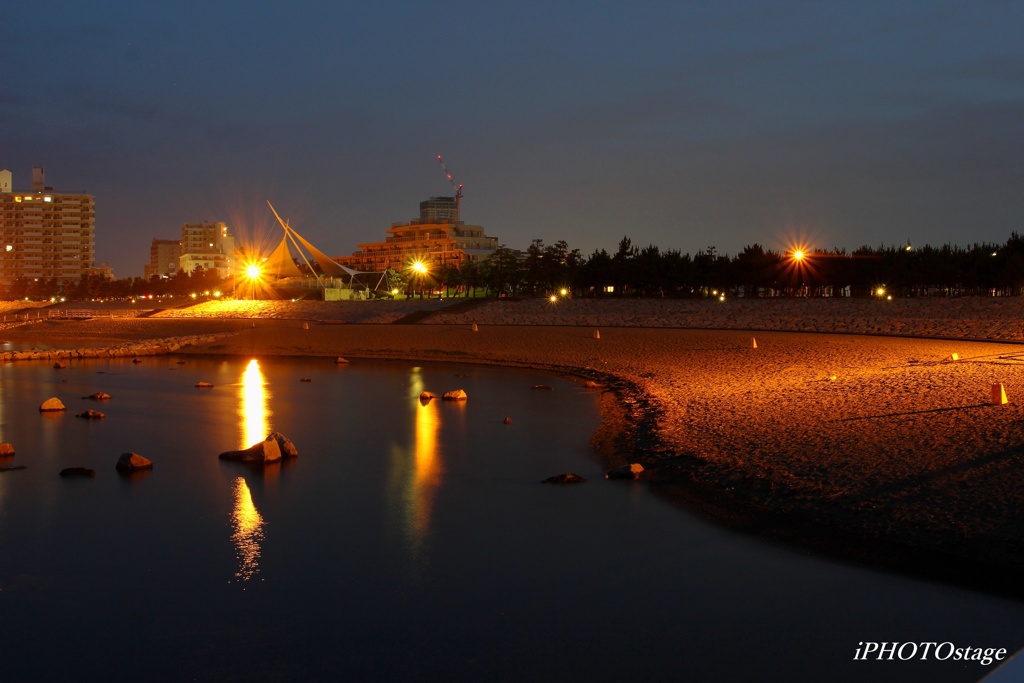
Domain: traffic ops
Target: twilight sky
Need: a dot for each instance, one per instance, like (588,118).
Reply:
(682,124)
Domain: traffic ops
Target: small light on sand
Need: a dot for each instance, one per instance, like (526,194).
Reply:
(889,298)
(722,297)
(564,291)
(553,298)
(880,291)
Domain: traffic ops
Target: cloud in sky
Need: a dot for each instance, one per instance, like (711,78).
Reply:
(678,124)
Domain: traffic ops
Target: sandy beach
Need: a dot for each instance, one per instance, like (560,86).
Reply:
(874,448)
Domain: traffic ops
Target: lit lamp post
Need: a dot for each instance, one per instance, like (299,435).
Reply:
(419,271)
(253,273)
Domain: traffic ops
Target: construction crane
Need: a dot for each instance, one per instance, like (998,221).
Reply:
(456,187)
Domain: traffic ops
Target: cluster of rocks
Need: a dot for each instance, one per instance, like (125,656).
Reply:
(133,350)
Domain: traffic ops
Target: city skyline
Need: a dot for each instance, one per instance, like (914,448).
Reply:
(681,126)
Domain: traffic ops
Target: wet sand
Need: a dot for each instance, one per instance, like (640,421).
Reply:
(875,449)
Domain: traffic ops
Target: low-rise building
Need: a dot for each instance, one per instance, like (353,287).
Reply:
(438,238)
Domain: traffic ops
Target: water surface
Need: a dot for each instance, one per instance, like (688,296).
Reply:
(407,542)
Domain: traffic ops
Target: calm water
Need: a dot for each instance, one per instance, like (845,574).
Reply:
(406,542)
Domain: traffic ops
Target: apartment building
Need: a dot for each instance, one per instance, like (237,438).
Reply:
(209,245)
(44,234)
(164,258)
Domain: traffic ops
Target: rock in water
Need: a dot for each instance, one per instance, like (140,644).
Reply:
(91,415)
(287,448)
(98,396)
(568,478)
(77,472)
(6,449)
(132,462)
(204,385)
(456,395)
(631,471)
(51,404)
(261,453)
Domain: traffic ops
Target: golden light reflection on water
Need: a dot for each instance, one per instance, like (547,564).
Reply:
(254,422)
(248,532)
(417,470)
(428,470)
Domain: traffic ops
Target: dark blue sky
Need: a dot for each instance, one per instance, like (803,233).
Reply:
(679,124)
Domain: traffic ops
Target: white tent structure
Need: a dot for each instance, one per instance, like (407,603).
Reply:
(281,265)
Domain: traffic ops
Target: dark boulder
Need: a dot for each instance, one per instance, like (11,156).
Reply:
(568,478)
(631,471)
(77,472)
(132,462)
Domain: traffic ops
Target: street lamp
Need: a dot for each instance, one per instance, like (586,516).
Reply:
(253,272)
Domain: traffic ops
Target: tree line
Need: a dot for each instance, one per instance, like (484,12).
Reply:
(542,269)
(905,270)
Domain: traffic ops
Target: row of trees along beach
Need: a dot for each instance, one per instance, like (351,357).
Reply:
(898,271)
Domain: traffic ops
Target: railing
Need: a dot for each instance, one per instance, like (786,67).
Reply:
(81,313)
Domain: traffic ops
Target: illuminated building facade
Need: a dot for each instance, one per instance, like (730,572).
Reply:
(438,238)
(164,258)
(208,245)
(44,234)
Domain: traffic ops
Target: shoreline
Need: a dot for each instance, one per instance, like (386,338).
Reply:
(875,450)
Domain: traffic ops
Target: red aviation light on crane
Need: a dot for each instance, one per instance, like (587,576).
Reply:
(456,187)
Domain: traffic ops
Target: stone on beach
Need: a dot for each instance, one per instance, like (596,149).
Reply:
(51,404)
(132,462)
(260,453)
(454,395)
(341,361)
